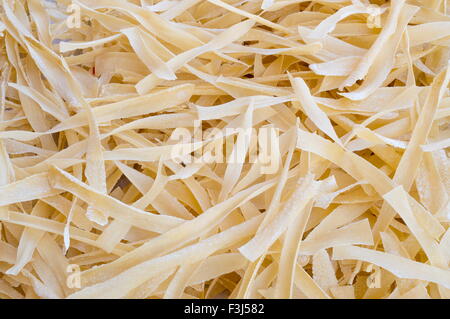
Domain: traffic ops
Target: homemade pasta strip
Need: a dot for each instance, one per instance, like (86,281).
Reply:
(224,149)
(399,266)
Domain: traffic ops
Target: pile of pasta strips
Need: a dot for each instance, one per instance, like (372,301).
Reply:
(94,204)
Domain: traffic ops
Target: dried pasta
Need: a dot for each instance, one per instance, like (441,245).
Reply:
(224,149)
